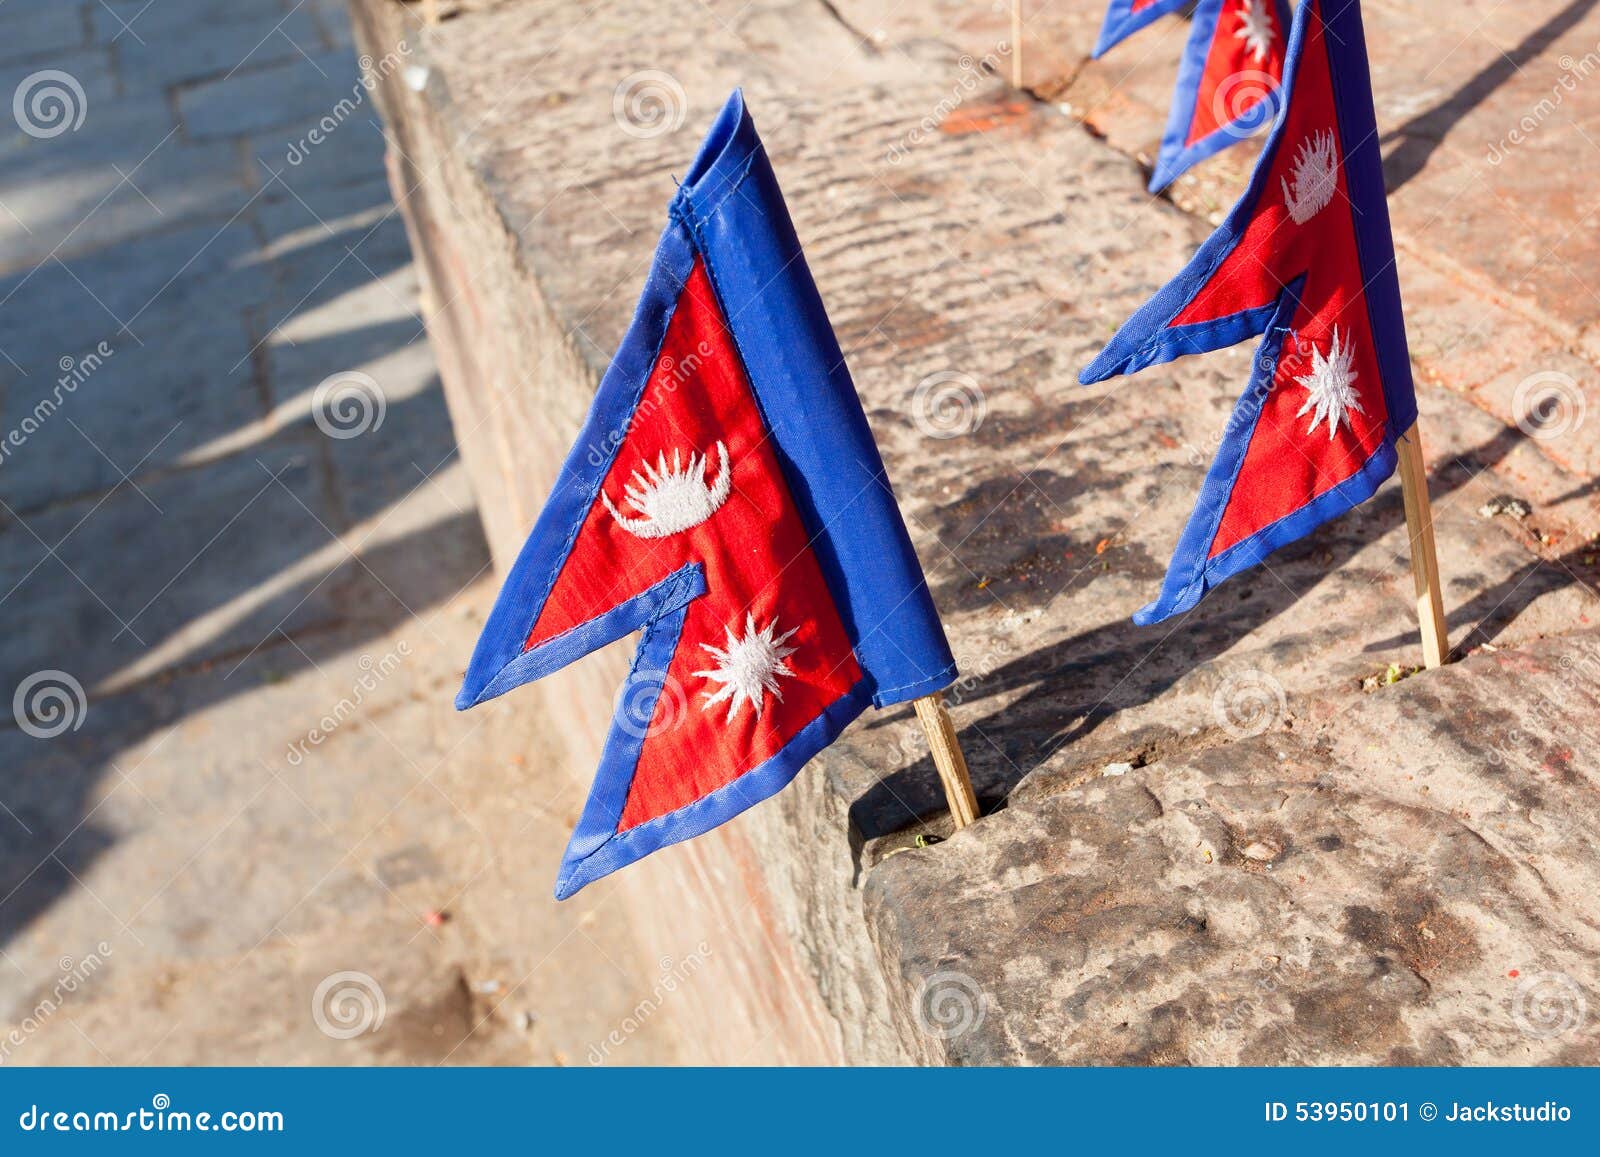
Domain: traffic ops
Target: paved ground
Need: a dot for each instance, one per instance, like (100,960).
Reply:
(241,569)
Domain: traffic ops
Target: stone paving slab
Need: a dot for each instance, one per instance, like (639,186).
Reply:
(1380,887)
(953,228)
(252,101)
(135,20)
(287,169)
(378,824)
(126,196)
(99,606)
(72,302)
(124,406)
(265,788)
(59,28)
(90,67)
(229,47)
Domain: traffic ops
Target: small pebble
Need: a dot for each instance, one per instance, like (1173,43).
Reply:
(1505,504)
(1262,851)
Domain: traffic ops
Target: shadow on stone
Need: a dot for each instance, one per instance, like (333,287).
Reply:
(1420,137)
(1066,700)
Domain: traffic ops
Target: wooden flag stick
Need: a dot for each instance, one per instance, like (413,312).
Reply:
(946,751)
(1016,43)
(1424,558)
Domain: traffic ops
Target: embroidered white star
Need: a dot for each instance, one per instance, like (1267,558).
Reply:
(748,667)
(1255,29)
(1331,386)
(1316,177)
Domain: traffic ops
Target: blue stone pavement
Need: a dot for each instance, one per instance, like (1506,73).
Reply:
(231,515)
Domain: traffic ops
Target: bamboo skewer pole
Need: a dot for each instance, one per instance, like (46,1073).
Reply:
(946,751)
(1424,557)
(1016,43)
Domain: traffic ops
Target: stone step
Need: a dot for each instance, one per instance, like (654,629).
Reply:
(959,233)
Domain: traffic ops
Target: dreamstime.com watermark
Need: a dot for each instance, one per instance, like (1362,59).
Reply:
(75,371)
(974,71)
(73,975)
(49,703)
(1245,1003)
(372,72)
(373,674)
(1249,703)
(674,974)
(1548,1005)
(650,703)
(1575,72)
(1549,405)
(48,103)
(670,375)
(348,404)
(948,404)
(160,1117)
(949,1005)
(348,1004)
(649,103)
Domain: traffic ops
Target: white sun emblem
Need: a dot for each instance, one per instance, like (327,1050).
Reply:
(1331,383)
(1316,177)
(673,498)
(748,667)
(1255,29)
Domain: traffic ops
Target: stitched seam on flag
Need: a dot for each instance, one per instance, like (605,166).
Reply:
(1265,389)
(1269,380)
(738,349)
(600,794)
(744,175)
(1340,491)
(1153,346)
(669,598)
(1361,257)
(1283,308)
(750,382)
(1242,211)
(565,555)
(949,669)
(719,806)
(711,211)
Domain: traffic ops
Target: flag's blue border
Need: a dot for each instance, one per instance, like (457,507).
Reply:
(1122,21)
(731,202)
(597,849)
(1192,575)
(1358,122)
(499,662)
(1147,338)
(729,213)
(1176,157)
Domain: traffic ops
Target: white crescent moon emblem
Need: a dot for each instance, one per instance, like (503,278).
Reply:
(672,499)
